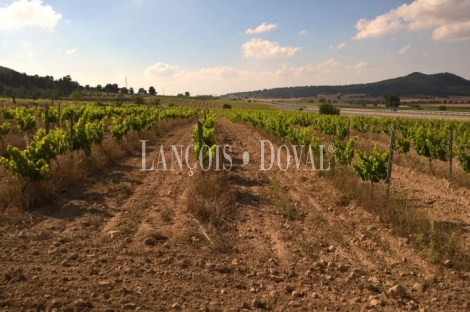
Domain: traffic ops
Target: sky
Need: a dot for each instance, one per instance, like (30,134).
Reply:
(217,47)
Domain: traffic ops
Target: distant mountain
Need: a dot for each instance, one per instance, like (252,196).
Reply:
(415,84)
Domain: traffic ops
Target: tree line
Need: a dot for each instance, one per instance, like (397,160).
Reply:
(20,85)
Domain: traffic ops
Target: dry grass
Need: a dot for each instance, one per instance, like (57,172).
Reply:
(438,241)
(130,223)
(211,202)
(15,140)
(438,169)
(10,202)
(210,199)
(281,202)
(167,215)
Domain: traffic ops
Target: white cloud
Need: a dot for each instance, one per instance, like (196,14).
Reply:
(265,27)
(309,69)
(160,69)
(25,44)
(452,32)
(449,20)
(68,22)
(225,79)
(341,46)
(219,73)
(404,49)
(359,66)
(302,32)
(23,13)
(71,51)
(264,49)
(330,48)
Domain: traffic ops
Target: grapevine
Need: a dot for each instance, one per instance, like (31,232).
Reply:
(372,167)
(4,130)
(344,153)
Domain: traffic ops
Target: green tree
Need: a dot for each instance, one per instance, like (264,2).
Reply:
(142,91)
(124,90)
(328,109)
(187,93)
(111,87)
(131,90)
(152,91)
(392,100)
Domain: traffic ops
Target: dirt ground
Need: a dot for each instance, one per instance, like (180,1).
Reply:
(125,241)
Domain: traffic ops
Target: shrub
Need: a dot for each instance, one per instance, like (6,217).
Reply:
(226,106)
(443,108)
(139,100)
(328,109)
(120,99)
(156,102)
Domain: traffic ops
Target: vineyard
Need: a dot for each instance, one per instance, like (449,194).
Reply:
(431,139)
(380,223)
(84,127)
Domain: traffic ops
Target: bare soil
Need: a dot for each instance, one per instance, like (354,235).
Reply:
(125,241)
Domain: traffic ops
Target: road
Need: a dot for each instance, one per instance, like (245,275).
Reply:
(380,112)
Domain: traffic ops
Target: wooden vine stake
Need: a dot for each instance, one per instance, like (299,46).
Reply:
(200,135)
(71,135)
(334,138)
(450,151)
(46,111)
(59,115)
(390,160)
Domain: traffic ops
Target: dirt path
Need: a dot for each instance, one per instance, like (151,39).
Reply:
(366,259)
(126,242)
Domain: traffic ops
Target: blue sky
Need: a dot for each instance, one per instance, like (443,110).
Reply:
(215,47)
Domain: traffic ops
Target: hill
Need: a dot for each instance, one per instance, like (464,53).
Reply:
(21,85)
(415,84)
(5,70)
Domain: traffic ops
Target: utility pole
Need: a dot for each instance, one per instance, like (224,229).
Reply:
(126,82)
(163,91)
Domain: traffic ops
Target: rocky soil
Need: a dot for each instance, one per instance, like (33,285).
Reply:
(125,241)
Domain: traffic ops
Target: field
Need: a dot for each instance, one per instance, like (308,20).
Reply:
(83,228)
